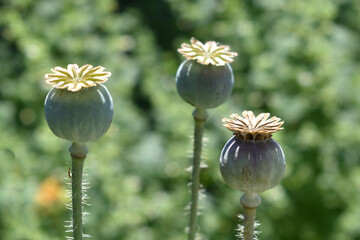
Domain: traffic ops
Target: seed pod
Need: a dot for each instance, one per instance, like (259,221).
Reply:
(204,86)
(207,82)
(251,161)
(83,112)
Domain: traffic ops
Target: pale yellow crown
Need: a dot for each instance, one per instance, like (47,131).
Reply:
(74,78)
(208,53)
(249,127)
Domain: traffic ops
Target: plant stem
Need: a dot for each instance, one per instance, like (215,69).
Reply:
(200,117)
(78,153)
(249,201)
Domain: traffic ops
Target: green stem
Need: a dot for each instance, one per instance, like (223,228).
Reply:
(200,117)
(78,153)
(249,201)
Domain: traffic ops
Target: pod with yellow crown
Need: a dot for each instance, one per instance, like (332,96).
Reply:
(251,161)
(78,107)
(205,79)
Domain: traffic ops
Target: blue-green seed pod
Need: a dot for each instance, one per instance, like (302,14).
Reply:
(252,166)
(79,116)
(205,79)
(204,86)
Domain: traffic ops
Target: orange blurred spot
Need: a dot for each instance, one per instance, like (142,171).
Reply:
(50,193)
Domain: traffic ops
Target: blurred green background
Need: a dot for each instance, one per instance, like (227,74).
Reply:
(298,60)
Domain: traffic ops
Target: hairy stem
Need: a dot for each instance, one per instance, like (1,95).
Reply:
(78,153)
(249,223)
(249,201)
(200,117)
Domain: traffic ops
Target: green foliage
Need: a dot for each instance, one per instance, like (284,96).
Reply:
(298,60)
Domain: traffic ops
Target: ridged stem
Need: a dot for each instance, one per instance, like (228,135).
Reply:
(78,153)
(249,201)
(200,117)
